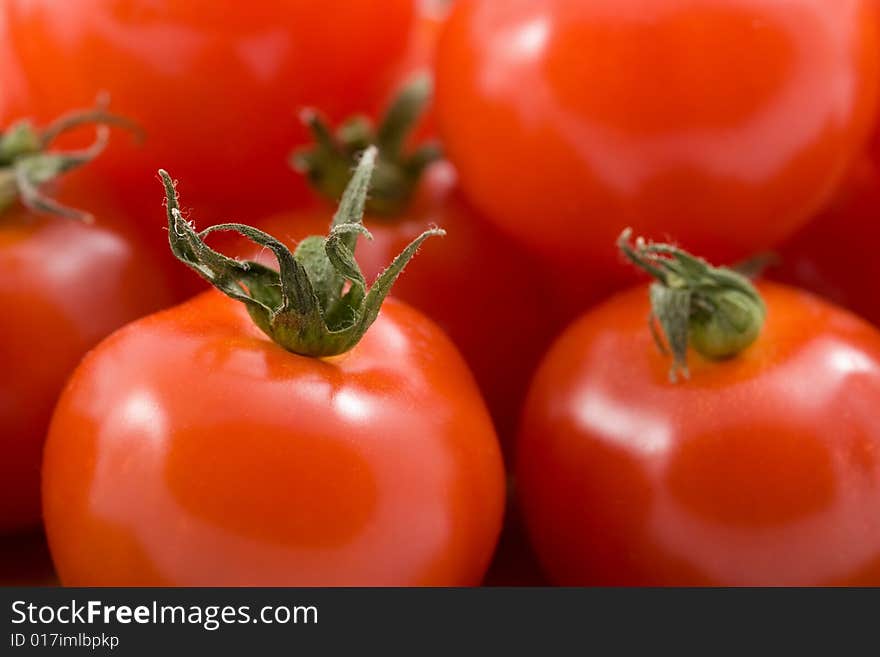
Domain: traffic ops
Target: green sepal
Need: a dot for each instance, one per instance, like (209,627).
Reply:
(715,310)
(328,163)
(26,163)
(304,305)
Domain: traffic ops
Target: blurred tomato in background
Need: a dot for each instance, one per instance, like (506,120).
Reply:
(723,125)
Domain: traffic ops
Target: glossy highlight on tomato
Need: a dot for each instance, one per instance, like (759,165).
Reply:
(763,469)
(189,449)
(723,123)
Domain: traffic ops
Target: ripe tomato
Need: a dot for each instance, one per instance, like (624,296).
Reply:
(215,84)
(482,289)
(66,285)
(723,123)
(189,449)
(762,469)
(192,448)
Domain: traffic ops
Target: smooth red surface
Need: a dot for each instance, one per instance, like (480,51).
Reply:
(722,123)
(482,288)
(189,449)
(216,84)
(65,286)
(760,470)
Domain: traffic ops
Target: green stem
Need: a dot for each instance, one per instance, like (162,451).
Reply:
(317,303)
(716,310)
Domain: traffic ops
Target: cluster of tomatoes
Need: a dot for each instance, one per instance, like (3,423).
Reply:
(191,402)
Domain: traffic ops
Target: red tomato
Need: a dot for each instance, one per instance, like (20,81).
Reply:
(482,289)
(763,469)
(66,285)
(189,449)
(216,85)
(724,123)
(833,255)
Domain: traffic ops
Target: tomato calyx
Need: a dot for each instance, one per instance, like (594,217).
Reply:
(26,163)
(317,303)
(328,163)
(714,309)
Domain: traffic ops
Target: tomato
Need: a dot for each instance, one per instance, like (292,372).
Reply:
(275,444)
(723,123)
(190,450)
(832,256)
(215,84)
(763,469)
(66,285)
(482,289)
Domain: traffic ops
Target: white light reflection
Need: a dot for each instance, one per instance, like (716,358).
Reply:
(618,422)
(351,405)
(530,39)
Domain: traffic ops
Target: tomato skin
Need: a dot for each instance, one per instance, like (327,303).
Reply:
(215,84)
(730,151)
(760,470)
(189,449)
(66,285)
(481,287)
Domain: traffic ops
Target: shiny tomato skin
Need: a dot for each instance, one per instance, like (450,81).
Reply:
(482,288)
(725,124)
(760,470)
(215,84)
(833,255)
(65,285)
(189,449)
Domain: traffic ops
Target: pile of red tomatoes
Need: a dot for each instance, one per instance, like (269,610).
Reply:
(243,405)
